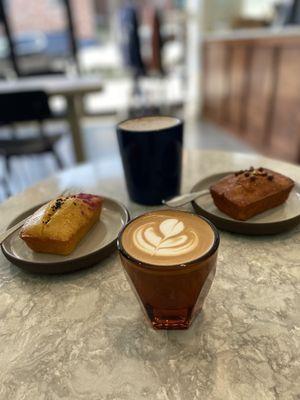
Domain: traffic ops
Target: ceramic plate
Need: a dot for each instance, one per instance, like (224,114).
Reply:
(276,220)
(96,245)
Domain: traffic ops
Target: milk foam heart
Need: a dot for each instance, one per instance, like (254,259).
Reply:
(167,237)
(170,239)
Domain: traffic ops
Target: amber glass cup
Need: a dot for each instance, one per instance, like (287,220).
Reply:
(171,296)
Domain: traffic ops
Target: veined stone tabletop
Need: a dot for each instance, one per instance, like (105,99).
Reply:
(84,336)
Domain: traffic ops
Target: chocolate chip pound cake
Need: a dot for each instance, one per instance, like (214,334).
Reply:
(246,193)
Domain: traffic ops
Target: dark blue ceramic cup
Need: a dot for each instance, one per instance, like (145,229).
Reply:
(151,152)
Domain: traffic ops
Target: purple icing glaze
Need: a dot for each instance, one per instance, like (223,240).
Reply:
(90,199)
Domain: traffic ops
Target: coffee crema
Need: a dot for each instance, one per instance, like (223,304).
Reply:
(167,237)
(147,124)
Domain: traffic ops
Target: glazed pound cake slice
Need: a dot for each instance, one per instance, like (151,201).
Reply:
(59,225)
(247,193)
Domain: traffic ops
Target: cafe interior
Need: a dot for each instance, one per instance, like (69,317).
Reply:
(230,69)
(228,72)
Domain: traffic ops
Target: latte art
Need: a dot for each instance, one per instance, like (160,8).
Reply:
(169,238)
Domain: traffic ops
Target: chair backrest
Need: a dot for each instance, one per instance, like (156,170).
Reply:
(23,106)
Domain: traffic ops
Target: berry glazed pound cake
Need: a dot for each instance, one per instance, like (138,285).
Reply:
(58,226)
(245,194)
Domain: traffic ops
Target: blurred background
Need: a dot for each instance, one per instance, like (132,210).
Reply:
(71,69)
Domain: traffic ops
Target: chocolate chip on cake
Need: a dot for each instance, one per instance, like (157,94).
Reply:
(247,174)
(239,172)
(260,169)
(270,177)
(252,178)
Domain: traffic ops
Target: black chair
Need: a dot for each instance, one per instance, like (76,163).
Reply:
(22,107)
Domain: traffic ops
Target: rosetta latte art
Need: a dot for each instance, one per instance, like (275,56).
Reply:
(168,238)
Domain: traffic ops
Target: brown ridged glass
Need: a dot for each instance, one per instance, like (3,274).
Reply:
(171,296)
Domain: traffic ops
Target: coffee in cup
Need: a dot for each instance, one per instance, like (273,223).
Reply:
(151,152)
(147,124)
(169,257)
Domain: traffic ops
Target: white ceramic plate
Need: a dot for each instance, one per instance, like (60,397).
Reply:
(276,220)
(97,244)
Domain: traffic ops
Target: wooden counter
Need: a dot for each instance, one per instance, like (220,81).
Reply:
(252,87)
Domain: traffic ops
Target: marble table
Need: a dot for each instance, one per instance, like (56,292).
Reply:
(83,335)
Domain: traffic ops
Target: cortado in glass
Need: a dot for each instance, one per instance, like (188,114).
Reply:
(169,258)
